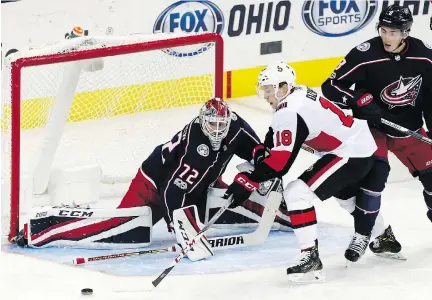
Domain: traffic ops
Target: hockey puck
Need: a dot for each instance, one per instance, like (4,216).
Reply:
(87,291)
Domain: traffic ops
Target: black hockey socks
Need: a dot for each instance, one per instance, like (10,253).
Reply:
(366,211)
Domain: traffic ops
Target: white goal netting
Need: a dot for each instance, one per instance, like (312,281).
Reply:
(62,110)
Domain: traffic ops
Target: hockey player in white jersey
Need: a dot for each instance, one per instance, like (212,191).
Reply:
(302,116)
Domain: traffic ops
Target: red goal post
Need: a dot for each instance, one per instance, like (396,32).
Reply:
(21,113)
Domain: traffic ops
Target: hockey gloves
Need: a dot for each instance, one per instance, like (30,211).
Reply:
(241,189)
(364,108)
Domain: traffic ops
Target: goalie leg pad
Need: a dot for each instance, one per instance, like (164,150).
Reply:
(89,228)
(187,226)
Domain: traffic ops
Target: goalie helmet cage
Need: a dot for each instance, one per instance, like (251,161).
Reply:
(93,71)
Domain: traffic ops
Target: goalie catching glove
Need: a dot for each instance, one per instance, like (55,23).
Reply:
(186,227)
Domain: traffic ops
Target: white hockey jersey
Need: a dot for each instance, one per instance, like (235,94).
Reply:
(306,117)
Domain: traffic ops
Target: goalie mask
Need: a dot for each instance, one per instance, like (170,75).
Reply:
(272,79)
(215,119)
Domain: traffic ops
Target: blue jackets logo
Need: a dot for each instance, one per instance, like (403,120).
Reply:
(190,17)
(336,18)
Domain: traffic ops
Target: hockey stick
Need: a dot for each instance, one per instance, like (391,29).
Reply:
(407,131)
(274,189)
(188,247)
(83,260)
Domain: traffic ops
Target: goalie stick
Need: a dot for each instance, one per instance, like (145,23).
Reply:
(407,131)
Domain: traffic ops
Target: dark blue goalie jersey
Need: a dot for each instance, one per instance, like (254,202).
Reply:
(186,166)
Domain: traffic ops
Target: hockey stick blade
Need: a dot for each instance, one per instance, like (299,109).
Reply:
(165,272)
(415,135)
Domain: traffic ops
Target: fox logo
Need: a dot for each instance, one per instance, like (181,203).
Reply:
(402,92)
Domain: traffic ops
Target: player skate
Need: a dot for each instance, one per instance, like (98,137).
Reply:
(309,265)
(386,245)
(357,247)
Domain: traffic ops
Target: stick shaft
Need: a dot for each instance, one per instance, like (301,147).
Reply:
(407,131)
(165,272)
(82,260)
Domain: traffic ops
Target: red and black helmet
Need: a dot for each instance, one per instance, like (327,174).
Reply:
(396,16)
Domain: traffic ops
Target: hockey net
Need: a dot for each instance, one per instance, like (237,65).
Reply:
(96,101)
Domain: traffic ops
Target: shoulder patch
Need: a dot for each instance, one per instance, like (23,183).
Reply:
(363,47)
(233,116)
(427,45)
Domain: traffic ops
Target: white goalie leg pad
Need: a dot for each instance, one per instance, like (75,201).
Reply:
(73,226)
(186,227)
(298,197)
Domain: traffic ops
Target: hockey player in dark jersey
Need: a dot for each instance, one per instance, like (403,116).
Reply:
(396,71)
(175,175)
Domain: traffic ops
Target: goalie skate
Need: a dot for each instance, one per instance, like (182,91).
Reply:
(308,269)
(386,245)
